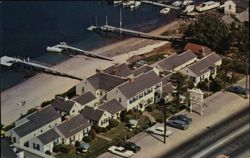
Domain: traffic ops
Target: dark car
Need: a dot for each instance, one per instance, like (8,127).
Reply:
(177,124)
(237,90)
(182,118)
(131,146)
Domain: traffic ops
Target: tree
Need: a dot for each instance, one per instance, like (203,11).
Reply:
(77,144)
(211,31)
(215,86)
(203,85)
(47,152)
(92,134)
(87,139)
(113,123)
(123,115)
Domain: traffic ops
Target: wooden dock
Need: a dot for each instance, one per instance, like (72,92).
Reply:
(109,28)
(161,5)
(74,50)
(10,61)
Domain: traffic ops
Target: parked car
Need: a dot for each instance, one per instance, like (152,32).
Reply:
(131,146)
(237,90)
(178,124)
(159,131)
(181,118)
(120,151)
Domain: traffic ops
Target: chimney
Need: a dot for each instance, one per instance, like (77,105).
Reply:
(203,52)
(131,79)
(98,71)
(161,74)
(114,71)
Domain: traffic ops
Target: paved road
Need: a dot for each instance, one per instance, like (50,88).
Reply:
(236,148)
(209,137)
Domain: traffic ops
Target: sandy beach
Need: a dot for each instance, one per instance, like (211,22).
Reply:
(43,87)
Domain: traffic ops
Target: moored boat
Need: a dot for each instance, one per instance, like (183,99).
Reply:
(135,5)
(165,10)
(128,3)
(117,2)
(177,3)
(188,9)
(205,6)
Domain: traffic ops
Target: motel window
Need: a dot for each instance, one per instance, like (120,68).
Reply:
(82,89)
(230,7)
(120,99)
(14,139)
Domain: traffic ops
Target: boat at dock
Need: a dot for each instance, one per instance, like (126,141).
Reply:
(117,2)
(177,3)
(135,5)
(188,9)
(205,6)
(128,3)
(187,2)
(165,10)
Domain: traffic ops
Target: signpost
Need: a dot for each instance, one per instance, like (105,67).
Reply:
(196,99)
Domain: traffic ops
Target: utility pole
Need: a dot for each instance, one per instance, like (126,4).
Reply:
(247,74)
(120,21)
(163,107)
(96,21)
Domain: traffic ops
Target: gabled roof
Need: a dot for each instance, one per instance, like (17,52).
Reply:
(197,48)
(121,70)
(142,69)
(85,98)
(48,136)
(203,65)
(37,120)
(72,126)
(62,104)
(167,88)
(112,106)
(92,113)
(145,80)
(175,60)
(105,81)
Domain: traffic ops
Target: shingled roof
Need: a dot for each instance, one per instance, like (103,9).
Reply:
(145,80)
(121,70)
(197,48)
(175,60)
(85,98)
(105,81)
(112,106)
(63,105)
(92,113)
(72,126)
(37,120)
(48,136)
(203,65)
(142,69)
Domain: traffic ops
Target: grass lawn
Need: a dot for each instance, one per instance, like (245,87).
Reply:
(97,147)
(118,132)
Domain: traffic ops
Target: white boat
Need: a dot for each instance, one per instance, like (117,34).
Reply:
(188,9)
(187,2)
(54,49)
(135,5)
(205,6)
(165,10)
(128,3)
(120,151)
(117,2)
(177,3)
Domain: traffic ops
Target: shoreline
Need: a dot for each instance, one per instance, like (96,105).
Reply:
(43,87)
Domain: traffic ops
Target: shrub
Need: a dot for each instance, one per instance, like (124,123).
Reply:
(127,119)
(77,144)
(87,139)
(160,120)
(215,86)
(108,127)
(56,148)
(92,134)
(123,115)
(149,108)
(103,130)
(97,128)
(63,149)
(47,152)
(113,123)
